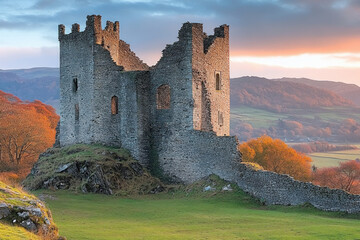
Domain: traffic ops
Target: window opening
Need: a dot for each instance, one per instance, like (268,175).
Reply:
(114,105)
(220,119)
(163,97)
(77,112)
(75,85)
(218,81)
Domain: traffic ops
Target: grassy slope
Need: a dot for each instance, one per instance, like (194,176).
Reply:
(15,233)
(18,198)
(167,216)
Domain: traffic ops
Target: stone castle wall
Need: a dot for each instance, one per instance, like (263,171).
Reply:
(91,57)
(211,58)
(278,189)
(183,151)
(75,44)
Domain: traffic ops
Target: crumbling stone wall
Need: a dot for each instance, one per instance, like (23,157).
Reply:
(128,59)
(272,188)
(211,102)
(183,137)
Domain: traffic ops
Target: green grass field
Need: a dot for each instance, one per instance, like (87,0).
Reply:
(15,233)
(332,159)
(256,117)
(259,118)
(165,216)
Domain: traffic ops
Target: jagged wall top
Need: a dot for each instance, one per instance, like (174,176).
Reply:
(93,25)
(188,29)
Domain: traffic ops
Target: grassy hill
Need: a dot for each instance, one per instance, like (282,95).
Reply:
(348,91)
(9,232)
(192,213)
(293,112)
(281,96)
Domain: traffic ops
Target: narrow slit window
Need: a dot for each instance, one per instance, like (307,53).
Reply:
(114,105)
(163,97)
(75,85)
(220,118)
(77,112)
(218,81)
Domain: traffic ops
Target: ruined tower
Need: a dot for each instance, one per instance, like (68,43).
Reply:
(175,115)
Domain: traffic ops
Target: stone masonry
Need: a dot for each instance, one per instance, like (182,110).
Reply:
(174,115)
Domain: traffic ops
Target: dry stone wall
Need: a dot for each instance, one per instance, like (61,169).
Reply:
(278,189)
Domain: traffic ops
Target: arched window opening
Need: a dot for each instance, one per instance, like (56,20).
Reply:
(75,85)
(77,112)
(114,105)
(218,81)
(163,97)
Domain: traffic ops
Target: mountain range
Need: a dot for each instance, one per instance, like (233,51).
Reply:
(345,90)
(272,94)
(32,84)
(282,96)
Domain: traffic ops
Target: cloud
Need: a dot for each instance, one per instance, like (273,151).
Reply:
(344,60)
(257,27)
(348,75)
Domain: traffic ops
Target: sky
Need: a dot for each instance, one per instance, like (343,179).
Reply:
(318,39)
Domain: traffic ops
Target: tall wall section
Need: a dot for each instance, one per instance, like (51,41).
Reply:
(90,77)
(182,151)
(211,80)
(76,83)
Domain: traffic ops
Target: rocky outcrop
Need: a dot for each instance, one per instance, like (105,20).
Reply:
(92,169)
(21,209)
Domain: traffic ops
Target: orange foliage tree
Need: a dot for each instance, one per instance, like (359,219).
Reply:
(26,130)
(345,177)
(274,155)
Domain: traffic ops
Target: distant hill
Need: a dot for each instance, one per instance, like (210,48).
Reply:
(348,91)
(281,96)
(293,109)
(277,95)
(32,84)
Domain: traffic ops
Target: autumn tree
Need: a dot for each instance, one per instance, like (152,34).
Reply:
(274,155)
(26,130)
(345,177)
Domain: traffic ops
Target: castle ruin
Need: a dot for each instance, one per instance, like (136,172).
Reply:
(174,115)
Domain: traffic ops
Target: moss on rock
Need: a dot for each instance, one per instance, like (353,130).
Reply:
(20,209)
(92,168)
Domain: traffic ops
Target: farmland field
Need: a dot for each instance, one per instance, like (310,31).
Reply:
(332,159)
(232,215)
(259,118)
